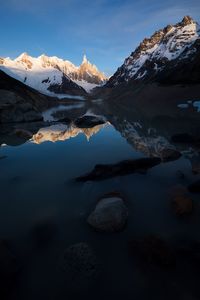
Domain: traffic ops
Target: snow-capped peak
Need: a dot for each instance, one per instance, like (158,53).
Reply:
(187,20)
(85,61)
(170,44)
(22,56)
(42,71)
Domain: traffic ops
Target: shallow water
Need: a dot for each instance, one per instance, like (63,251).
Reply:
(38,188)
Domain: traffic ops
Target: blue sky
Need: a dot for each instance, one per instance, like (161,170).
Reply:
(106,30)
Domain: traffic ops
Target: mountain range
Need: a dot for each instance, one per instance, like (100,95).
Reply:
(165,66)
(171,55)
(52,75)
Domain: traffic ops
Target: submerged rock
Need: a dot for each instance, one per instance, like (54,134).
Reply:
(79,264)
(101,172)
(194,187)
(89,121)
(153,250)
(169,154)
(109,215)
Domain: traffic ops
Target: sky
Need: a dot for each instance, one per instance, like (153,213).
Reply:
(107,31)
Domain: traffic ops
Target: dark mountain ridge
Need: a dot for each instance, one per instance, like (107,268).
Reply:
(18,102)
(171,56)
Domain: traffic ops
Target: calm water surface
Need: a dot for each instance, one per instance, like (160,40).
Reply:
(38,189)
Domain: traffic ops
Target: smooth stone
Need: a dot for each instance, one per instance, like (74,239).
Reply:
(109,215)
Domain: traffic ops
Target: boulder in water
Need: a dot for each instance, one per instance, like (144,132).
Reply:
(109,215)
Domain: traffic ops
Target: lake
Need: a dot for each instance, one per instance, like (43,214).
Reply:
(44,210)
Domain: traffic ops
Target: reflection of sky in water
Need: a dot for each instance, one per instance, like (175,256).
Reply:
(37,185)
(195,104)
(34,177)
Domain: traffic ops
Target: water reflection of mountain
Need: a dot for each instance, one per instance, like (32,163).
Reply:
(152,133)
(149,142)
(62,132)
(149,134)
(51,129)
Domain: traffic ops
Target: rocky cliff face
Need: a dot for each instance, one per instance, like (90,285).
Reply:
(89,73)
(170,55)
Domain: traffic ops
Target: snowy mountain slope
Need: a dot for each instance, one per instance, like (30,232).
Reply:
(40,75)
(167,49)
(53,75)
(87,86)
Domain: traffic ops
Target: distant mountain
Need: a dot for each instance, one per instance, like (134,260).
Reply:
(171,55)
(87,75)
(52,74)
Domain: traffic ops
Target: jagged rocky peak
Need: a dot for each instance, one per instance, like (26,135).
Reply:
(166,47)
(87,64)
(64,66)
(26,59)
(148,43)
(92,68)
(187,20)
(85,61)
(86,75)
(38,72)
(22,56)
